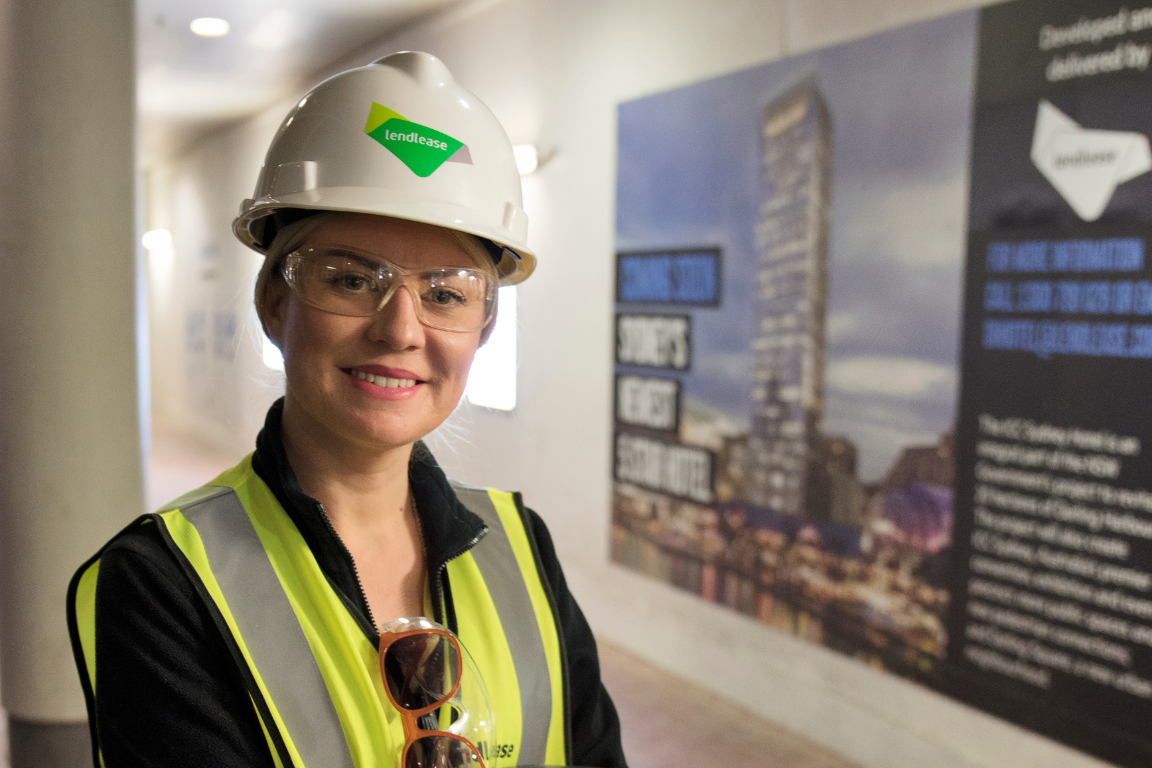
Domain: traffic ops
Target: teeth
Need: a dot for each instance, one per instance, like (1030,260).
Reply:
(383,381)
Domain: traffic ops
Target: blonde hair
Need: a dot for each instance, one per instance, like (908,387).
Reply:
(476,251)
(287,239)
(292,236)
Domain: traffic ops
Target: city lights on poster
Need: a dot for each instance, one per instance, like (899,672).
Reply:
(883,333)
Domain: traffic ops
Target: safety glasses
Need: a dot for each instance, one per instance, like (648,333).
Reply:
(422,670)
(347,281)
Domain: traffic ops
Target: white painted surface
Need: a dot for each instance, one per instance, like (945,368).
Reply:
(554,73)
(188,85)
(207,348)
(70,428)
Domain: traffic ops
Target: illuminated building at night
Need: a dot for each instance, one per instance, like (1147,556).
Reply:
(790,302)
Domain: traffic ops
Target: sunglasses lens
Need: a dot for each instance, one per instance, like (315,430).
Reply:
(421,670)
(441,752)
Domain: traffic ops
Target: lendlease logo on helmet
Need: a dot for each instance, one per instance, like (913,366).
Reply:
(419,147)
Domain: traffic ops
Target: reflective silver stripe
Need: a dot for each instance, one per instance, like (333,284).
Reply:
(501,571)
(266,621)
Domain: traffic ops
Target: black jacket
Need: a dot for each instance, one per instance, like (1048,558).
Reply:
(168,693)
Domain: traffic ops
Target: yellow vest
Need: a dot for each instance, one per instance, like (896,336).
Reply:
(311,673)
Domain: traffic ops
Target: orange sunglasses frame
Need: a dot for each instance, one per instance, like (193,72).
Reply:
(410,717)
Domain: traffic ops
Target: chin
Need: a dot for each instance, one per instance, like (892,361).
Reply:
(387,434)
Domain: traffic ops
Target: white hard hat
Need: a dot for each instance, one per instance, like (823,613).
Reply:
(400,138)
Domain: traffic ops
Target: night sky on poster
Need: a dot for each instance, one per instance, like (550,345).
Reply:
(901,105)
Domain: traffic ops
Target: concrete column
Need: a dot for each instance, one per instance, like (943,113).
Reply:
(70,424)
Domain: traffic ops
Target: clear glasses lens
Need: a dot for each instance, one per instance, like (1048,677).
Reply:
(347,282)
(441,752)
(421,670)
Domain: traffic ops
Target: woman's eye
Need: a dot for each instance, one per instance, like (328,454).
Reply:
(351,282)
(444,297)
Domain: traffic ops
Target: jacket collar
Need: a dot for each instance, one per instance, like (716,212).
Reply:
(449,529)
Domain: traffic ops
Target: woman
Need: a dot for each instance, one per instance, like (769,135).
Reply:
(239,626)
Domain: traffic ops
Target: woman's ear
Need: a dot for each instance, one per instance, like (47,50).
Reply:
(273,308)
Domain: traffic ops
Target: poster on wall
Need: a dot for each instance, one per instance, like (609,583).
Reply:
(883,333)
(803,224)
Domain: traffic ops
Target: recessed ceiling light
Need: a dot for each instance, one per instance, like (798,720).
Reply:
(207,26)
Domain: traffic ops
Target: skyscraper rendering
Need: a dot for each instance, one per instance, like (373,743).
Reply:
(790,303)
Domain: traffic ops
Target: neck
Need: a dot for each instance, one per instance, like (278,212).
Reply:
(359,484)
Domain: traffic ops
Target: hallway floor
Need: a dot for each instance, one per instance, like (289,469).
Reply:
(666,721)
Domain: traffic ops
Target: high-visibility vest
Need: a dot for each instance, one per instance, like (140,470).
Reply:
(311,673)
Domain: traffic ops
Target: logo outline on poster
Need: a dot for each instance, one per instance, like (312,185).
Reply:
(1086,165)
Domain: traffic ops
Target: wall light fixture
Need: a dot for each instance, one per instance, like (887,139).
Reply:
(208,26)
(526,158)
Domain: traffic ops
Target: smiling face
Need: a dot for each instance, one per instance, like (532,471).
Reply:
(382,381)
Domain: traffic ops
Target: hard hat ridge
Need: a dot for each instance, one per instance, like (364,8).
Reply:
(399,137)
(424,68)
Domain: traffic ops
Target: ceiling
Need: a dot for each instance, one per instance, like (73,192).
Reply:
(189,85)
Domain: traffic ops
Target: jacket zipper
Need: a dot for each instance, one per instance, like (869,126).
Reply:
(437,595)
(355,572)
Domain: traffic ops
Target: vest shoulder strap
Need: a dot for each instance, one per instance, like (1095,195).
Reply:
(507,561)
(263,622)
(238,585)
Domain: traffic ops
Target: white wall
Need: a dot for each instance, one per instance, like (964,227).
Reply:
(207,376)
(70,456)
(554,71)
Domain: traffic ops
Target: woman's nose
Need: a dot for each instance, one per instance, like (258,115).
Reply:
(397,323)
